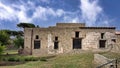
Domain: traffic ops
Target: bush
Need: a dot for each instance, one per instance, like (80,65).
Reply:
(27,59)
(22,59)
(11,59)
(43,59)
(34,58)
(31,59)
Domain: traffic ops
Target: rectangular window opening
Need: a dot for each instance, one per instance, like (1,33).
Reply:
(114,40)
(77,34)
(56,38)
(102,43)
(55,45)
(102,35)
(36,44)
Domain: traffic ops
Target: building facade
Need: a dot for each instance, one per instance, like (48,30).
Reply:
(68,37)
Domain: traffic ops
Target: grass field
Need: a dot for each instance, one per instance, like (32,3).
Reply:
(83,60)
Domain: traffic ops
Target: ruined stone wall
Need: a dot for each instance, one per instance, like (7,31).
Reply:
(116,46)
(27,40)
(118,39)
(70,25)
(64,37)
(43,37)
(90,39)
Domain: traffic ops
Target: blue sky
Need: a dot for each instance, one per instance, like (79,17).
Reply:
(49,12)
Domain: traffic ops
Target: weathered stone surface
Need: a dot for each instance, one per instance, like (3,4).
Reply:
(66,33)
(100,60)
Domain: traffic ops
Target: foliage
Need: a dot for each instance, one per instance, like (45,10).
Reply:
(20,58)
(4,38)
(19,42)
(43,59)
(2,48)
(13,33)
(31,59)
(24,25)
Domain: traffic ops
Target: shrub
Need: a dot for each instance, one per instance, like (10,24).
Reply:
(34,59)
(21,59)
(43,59)
(28,59)
(31,59)
(11,59)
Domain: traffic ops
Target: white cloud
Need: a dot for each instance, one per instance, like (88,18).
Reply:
(9,13)
(21,15)
(60,12)
(6,12)
(71,19)
(75,20)
(90,11)
(43,13)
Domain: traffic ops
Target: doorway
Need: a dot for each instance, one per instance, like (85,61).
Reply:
(77,43)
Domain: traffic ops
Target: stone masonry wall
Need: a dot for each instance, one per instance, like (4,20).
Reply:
(90,39)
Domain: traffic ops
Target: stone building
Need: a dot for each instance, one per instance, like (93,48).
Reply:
(69,37)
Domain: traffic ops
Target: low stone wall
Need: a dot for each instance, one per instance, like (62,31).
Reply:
(100,60)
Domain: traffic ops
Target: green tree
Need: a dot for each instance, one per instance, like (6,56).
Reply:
(2,48)
(19,42)
(13,33)
(25,25)
(4,38)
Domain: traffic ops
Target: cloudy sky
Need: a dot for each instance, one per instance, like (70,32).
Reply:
(48,12)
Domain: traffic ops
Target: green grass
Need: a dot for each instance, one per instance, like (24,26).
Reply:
(83,60)
(11,52)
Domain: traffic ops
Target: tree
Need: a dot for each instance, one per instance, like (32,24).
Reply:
(24,25)
(13,33)
(19,42)
(2,48)
(4,38)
